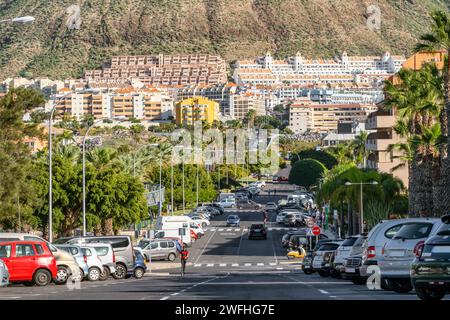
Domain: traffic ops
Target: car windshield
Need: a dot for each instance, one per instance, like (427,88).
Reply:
(328,247)
(359,242)
(257,226)
(416,230)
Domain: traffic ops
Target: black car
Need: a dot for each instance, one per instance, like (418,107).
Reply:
(430,271)
(257,231)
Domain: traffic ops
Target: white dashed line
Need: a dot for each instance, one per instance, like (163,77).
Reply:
(175,294)
(260,264)
(210,265)
(247,264)
(228,229)
(164,298)
(220,229)
(323,291)
(223,264)
(235,265)
(272,264)
(197,265)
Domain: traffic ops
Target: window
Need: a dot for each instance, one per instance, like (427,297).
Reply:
(5,251)
(414,231)
(171,244)
(102,251)
(86,252)
(154,245)
(392,231)
(349,242)
(163,245)
(73,250)
(24,250)
(39,249)
(31,238)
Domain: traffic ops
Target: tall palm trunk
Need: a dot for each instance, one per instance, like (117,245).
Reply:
(107,227)
(443,185)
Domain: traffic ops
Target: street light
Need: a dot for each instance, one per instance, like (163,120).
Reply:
(50,178)
(84,166)
(20,20)
(361,199)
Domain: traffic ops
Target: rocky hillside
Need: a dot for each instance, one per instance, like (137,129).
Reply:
(233,28)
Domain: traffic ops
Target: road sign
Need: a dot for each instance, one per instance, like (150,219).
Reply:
(309,232)
(310,224)
(316,230)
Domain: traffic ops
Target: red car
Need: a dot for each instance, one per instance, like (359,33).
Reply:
(29,262)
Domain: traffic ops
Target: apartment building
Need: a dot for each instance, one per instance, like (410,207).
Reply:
(163,69)
(190,110)
(378,142)
(299,70)
(305,115)
(147,104)
(241,104)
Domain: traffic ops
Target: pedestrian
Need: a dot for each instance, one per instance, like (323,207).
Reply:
(184,255)
(274,191)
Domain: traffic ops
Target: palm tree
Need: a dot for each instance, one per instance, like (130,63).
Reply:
(359,145)
(439,39)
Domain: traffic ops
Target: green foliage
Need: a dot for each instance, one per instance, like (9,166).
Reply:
(327,159)
(306,172)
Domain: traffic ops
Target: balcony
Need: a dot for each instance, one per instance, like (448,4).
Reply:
(379,141)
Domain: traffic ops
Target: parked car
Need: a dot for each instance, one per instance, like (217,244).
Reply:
(4,274)
(203,222)
(249,204)
(67,266)
(105,253)
(307,264)
(280,217)
(430,270)
(293,220)
(197,228)
(94,263)
(271,207)
(352,266)
(257,231)
(29,262)
(139,265)
(233,221)
(123,251)
(227,203)
(342,253)
(377,238)
(322,258)
(159,249)
(217,206)
(399,253)
(286,240)
(78,255)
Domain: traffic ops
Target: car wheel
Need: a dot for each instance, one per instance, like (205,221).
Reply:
(432,294)
(42,278)
(105,274)
(359,281)
(62,275)
(94,274)
(402,286)
(308,271)
(171,256)
(121,272)
(324,273)
(138,273)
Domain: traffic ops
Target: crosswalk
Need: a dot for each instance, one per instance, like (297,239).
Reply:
(218,229)
(236,265)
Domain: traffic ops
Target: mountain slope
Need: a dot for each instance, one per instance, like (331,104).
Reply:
(232,28)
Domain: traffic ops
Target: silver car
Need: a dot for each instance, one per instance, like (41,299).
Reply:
(399,253)
(4,274)
(161,249)
(94,263)
(77,253)
(342,253)
(106,254)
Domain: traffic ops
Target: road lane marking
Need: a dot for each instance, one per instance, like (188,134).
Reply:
(204,247)
(247,264)
(260,264)
(221,229)
(237,229)
(197,265)
(164,298)
(272,264)
(210,265)
(235,265)
(228,229)
(323,291)
(223,264)
(175,294)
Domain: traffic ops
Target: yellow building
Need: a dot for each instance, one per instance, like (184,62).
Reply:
(196,109)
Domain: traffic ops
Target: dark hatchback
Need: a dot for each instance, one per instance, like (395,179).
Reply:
(430,271)
(257,231)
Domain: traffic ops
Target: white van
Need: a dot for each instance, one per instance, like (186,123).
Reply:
(172,222)
(174,234)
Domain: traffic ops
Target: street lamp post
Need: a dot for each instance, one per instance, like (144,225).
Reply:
(361,198)
(50,164)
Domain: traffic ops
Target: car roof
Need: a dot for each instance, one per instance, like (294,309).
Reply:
(22,241)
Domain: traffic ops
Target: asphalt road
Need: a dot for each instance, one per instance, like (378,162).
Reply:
(224,264)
